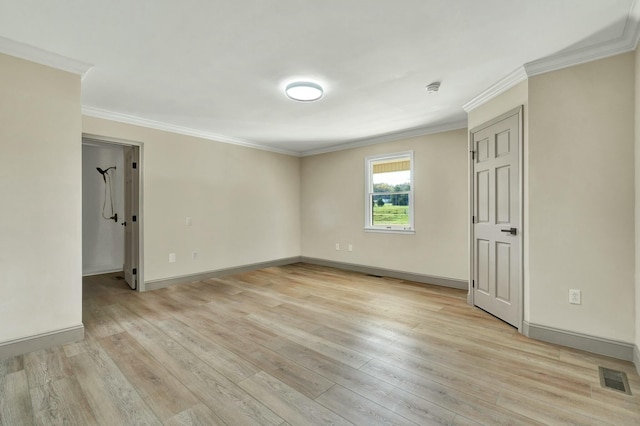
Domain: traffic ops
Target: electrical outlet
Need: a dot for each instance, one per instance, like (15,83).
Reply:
(194,255)
(575,297)
(350,247)
(337,246)
(172,257)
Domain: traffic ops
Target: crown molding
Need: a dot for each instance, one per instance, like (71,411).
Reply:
(43,57)
(627,42)
(501,86)
(389,137)
(143,122)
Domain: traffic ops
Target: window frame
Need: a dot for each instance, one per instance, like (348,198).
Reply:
(368,192)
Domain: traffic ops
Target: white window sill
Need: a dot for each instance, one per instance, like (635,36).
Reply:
(391,230)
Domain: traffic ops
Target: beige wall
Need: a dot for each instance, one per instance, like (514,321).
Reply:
(251,206)
(581,198)
(637,196)
(40,189)
(333,208)
(244,203)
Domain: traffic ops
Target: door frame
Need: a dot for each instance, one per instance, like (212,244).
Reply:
(140,287)
(470,295)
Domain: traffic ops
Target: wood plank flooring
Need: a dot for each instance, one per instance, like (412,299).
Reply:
(304,345)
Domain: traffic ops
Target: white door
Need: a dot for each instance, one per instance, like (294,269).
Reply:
(497,231)
(131,179)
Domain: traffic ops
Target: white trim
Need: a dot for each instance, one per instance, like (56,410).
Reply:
(46,340)
(636,357)
(43,57)
(374,140)
(368,190)
(519,111)
(104,270)
(389,137)
(627,42)
(507,82)
(391,231)
(571,58)
(158,125)
(91,139)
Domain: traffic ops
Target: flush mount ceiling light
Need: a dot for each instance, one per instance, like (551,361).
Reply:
(304,91)
(433,87)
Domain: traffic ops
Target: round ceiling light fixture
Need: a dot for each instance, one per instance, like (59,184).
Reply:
(304,91)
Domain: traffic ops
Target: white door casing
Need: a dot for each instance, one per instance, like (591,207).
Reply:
(496,251)
(131,232)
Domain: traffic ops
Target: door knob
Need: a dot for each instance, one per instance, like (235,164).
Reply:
(124,223)
(511,231)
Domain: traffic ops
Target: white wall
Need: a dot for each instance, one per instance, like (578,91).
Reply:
(102,240)
(40,189)
(244,203)
(333,208)
(581,195)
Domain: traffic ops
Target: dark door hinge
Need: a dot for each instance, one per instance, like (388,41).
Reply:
(473,283)
(473,155)
(473,219)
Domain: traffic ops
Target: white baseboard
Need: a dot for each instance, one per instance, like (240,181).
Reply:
(24,345)
(101,270)
(585,342)
(166,282)
(409,276)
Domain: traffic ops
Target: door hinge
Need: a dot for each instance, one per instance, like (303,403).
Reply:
(473,155)
(473,219)
(135,271)
(134,218)
(473,283)
(134,165)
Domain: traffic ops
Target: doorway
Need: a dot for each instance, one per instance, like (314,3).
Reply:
(496,231)
(112,212)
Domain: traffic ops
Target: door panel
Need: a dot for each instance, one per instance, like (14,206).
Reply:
(503,195)
(483,196)
(482,148)
(503,267)
(503,143)
(496,206)
(483,268)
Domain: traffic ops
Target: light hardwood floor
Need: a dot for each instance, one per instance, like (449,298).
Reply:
(300,345)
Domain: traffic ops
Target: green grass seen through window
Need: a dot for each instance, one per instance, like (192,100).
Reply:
(390,215)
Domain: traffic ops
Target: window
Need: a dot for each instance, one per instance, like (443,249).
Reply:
(389,192)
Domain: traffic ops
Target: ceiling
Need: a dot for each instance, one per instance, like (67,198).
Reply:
(218,68)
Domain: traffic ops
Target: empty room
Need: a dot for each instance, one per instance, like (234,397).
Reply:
(293,212)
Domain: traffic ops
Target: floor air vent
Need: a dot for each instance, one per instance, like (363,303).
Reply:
(616,380)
